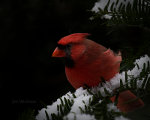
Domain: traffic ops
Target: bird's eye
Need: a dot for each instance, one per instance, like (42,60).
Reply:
(61,46)
(68,46)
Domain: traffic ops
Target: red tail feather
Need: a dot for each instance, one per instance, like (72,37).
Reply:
(128,102)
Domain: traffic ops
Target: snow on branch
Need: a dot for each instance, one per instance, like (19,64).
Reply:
(117,9)
(114,83)
(79,105)
(101,4)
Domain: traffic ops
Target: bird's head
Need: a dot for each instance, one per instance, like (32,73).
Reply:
(71,47)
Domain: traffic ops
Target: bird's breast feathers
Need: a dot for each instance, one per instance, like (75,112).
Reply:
(106,66)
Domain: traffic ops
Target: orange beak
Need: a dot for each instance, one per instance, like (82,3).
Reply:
(58,53)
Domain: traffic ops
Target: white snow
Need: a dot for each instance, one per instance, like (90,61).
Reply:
(80,91)
(42,115)
(102,3)
(121,118)
(52,108)
(111,107)
(107,16)
(72,116)
(80,101)
(82,96)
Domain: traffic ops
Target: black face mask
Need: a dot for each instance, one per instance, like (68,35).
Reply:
(67,60)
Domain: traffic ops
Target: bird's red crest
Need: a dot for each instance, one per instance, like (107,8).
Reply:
(73,38)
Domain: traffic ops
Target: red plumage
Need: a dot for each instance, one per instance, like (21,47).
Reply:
(92,62)
(73,38)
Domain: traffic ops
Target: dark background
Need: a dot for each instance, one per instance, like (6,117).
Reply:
(29,31)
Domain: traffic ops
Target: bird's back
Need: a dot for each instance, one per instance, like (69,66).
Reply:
(96,63)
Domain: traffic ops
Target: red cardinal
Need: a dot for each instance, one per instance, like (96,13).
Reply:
(87,62)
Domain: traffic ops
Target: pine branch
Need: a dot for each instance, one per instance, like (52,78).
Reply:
(136,13)
(95,103)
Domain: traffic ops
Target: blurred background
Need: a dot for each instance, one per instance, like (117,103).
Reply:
(30,29)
